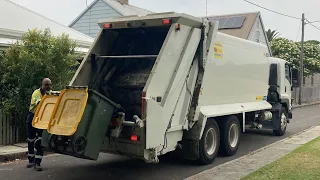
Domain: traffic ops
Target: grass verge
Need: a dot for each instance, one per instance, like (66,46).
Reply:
(302,163)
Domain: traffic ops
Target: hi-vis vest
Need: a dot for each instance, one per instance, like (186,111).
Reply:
(35,99)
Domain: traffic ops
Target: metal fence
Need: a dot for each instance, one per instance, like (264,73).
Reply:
(309,94)
(8,132)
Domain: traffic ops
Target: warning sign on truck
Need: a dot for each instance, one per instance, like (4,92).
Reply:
(218,52)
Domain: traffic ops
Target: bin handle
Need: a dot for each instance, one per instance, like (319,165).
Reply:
(76,87)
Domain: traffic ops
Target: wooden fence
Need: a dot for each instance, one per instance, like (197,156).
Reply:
(8,132)
(309,94)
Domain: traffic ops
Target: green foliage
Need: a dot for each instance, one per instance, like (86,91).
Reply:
(27,62)
(2,68)
(271,35)
(290,51)
(315,42)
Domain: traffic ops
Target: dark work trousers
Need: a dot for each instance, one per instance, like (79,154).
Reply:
(34,141)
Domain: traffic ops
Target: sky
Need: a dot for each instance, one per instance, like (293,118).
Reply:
(65,11)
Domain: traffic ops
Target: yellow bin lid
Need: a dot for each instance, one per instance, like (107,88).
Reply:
(68,112)
(44,112)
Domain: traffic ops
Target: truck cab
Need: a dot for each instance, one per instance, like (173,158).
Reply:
(283,78)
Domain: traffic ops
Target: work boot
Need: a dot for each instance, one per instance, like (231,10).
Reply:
(30,165)
(37,167)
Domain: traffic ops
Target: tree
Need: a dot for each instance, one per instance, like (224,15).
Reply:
(2,68)
(290,51)
(315,42)
(271,35)
(27,62)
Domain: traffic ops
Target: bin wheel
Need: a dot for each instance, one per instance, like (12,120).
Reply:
(53,142)
(79,145)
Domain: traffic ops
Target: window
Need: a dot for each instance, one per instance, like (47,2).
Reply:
(288,73)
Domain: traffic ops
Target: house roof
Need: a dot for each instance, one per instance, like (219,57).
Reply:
(242,32)
(126,9)
(247,25)
(123,9)
(22,19)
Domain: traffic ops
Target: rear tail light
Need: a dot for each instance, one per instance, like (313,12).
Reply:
(143,105)
(166,21)
(134,138)
(107,26)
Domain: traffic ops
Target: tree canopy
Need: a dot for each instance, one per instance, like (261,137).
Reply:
(272,34)
(27,62)
(290,51)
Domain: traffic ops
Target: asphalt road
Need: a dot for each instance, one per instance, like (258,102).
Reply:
(58,167)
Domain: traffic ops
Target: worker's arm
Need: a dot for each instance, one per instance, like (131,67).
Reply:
(35,100)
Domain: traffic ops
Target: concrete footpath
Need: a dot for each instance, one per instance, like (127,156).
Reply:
(13,152)
(245,165)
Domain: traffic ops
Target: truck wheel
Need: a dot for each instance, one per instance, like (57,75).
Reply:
(230,135)
(209,143)
(284,123)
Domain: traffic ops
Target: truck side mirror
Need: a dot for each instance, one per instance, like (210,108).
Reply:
(295,78)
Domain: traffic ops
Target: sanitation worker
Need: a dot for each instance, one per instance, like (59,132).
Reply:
(34,134)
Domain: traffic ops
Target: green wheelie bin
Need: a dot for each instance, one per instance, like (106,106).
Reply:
(86,141)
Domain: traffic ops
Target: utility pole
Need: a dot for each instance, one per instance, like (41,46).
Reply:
(206,8)
(301,59)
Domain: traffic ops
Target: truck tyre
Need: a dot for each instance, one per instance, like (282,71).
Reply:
(284,123)
(209,143)
(230,135)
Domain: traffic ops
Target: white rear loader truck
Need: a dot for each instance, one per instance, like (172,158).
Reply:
(179,84)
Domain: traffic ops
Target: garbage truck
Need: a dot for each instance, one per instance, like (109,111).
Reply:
(167,82)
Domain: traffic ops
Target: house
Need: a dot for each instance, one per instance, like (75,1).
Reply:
(243,25)
(86,22)
(16,20)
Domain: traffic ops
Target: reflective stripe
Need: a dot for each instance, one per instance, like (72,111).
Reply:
(38,157)
(37,140)
(31,155)
(31,140)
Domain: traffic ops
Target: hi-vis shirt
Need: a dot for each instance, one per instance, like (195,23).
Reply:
(35,99)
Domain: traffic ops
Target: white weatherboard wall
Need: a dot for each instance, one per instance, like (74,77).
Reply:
(87,24)
(257,33)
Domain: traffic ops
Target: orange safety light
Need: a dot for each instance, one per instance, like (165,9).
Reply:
(134,138)
(178,27)
(166,21)
(107,26)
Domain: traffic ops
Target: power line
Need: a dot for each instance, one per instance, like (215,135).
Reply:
(298,32)
(313,25)
(272,10)
(313,22)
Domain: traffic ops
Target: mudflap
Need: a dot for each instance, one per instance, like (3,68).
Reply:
(276,116)
(290,115)
(190,149)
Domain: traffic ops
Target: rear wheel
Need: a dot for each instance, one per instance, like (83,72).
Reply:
(284,123)
(209,143)
(230,135)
